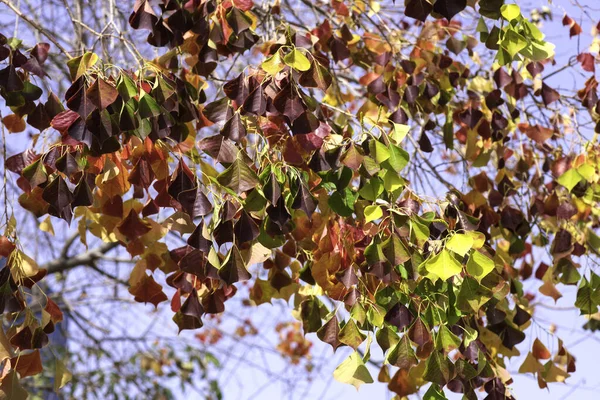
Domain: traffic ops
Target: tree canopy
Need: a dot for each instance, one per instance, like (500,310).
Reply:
(395,172)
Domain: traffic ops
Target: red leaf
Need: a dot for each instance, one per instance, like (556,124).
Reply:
(133,227)
(63,121)
(587,62)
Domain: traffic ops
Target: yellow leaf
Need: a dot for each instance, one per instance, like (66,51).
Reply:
(46,226)
(62,375)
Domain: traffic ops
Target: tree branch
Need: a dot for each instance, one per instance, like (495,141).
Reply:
(64,263)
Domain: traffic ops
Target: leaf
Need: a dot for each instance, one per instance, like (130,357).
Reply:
(434,393)
(245,229)
(395,251)
(238,177)
(310,314)
(102,94)
(11,388)
(539,351)
(472,296)
(353,371)
(234,128)
(146,290)
(570,179)
(27,364)
(479,265)
(418,9)
(438,369)
(398,159)
(399,316)
(372,189)
(303,200)
(587,62)
(234,268)
(372,213)
(297,60)
(62,375)
(342,203)
(470,335)
(132,227)
(530,365)
(449,8)
(513,42)
(446,340)
(351,335)
(220,148)
(443,265)
(403,355)
(419,333)
(79,65)
(273,64)
(328,333)
(549,95)
(510,11)
(460,243)
(378,151)
(14,123)
(148,107)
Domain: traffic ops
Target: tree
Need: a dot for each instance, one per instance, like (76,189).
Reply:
(393,171)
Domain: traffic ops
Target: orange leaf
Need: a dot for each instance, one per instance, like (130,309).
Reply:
(14,123)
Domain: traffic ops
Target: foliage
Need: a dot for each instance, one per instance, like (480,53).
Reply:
(306,184)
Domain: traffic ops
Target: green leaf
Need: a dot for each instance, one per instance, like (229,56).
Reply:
(386,338)
(148,107)
(438,369)
(472,296)
(434,393)
(588,298)
(460,243)
(353,371)
(443,265)
(399,132)
(79,65)
(378,151)
(342,202)
(371,190)
(373,212)
(479,265)
(570,179)
(126,87)
(510,11)
(391,180)
(395,251)
(297,60)
(273,64)
(513,42)
(402,355)
(470,335)
(351,335)
(397,160)
(238,177)
(446,340)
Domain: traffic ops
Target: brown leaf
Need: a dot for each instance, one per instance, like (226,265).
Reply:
(146,290)
(102,94)
(27,364)
(419,333)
